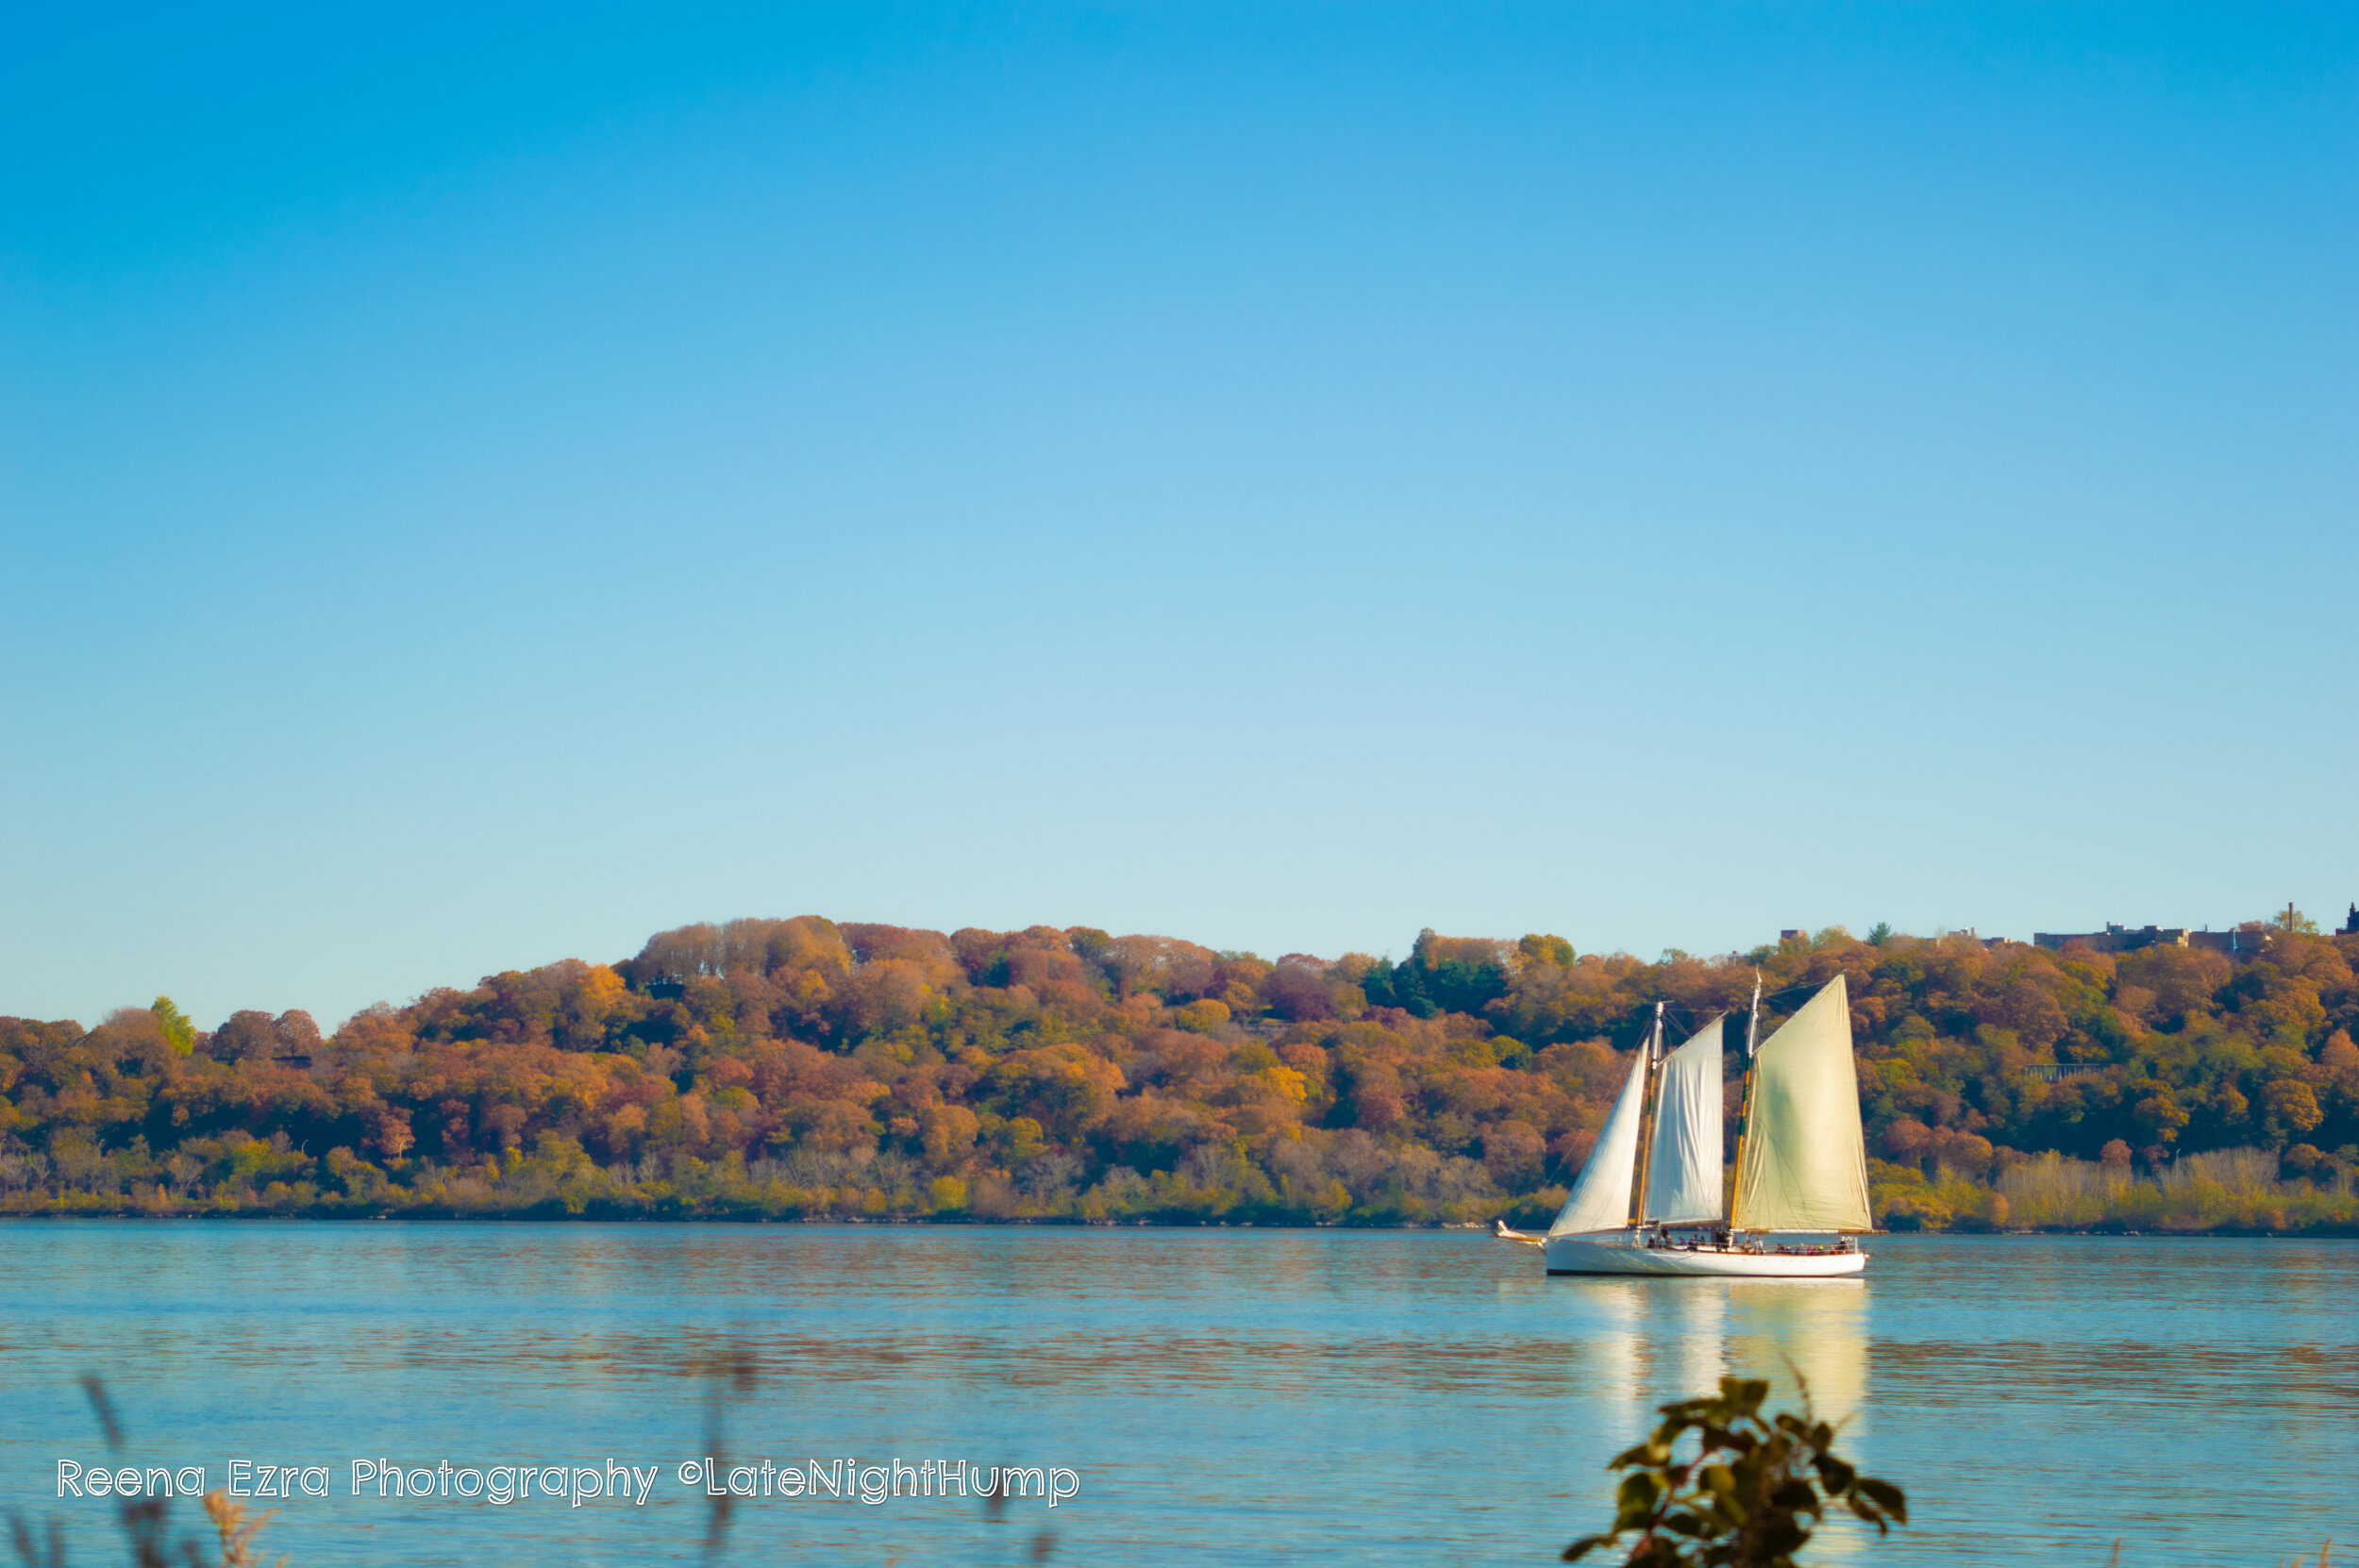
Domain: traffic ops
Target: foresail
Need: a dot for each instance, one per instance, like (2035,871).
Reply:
(1804,1165)
(1683,1164)
(1600,1198)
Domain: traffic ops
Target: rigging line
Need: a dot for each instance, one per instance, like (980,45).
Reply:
(1766,996)
(1729,1010)
(1702,1026)
(1674,1007)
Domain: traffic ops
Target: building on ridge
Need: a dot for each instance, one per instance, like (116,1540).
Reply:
(2115,939)
(2129,939)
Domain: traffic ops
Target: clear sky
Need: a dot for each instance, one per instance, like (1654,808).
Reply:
(479,485)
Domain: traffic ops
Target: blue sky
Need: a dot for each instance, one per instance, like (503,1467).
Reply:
(481,485)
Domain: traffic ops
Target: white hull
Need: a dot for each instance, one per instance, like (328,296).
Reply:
(1581,1255)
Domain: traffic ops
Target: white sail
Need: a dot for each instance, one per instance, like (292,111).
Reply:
(1600,1198)
(1804,1165)
(1683,1160)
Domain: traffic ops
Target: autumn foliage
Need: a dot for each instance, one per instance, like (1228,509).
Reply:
(801,1068)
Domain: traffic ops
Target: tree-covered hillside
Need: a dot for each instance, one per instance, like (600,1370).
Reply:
(804,1068)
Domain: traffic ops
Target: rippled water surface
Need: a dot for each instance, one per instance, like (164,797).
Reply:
(1227,1396)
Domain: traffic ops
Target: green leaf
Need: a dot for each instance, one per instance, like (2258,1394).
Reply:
(1639,1490)
(1748,1497)
(1870,1512)
(1886,1497)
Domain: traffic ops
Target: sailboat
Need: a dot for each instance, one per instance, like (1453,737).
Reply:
(1648,1201)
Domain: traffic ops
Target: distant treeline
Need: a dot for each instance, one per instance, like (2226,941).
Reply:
(805,1069)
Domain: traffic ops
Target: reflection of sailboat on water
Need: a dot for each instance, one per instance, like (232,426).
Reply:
(1637,1348)
(1649,1200)
(1812,1331)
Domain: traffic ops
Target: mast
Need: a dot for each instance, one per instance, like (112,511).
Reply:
(1646,1123)
(1744,1090)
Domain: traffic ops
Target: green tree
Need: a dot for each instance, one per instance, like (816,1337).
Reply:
(178,1032)
(1548,948)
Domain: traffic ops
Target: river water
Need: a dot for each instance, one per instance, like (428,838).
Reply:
(1221,1396)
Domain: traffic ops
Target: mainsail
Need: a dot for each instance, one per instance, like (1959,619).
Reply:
(1683,1162)
(1600,1198)
(1804,1165)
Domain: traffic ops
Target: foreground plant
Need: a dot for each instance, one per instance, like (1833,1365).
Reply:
(142,1519)
(237,1532)
(1741,1499)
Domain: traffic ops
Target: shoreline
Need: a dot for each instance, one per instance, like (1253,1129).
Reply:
(1057,1223)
